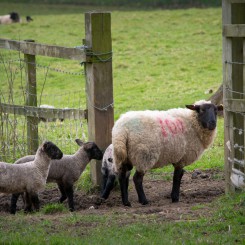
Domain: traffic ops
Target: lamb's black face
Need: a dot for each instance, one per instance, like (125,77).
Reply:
(207,114)
(52,150)
(93,151)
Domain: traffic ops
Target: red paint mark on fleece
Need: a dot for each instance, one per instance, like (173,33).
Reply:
(164,132)
(175,126)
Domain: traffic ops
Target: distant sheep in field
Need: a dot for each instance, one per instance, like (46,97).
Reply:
(66,172)
(10,18)
(13,17)
(108,172)
(153,139)
(29,177)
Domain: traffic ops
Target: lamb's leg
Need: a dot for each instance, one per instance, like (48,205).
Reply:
(14,199)
(124,187)
(104,181)
(28,205)
(69,194)
(35,201)
(62,191)
(178,173)
(109,186)
(138,180)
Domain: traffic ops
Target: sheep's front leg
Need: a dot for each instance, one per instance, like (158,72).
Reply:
(178,173)
(123,180)
(108,186)
(62,191)
(35,201)
(14,199)
(69,193)
(138,180)
(28,201)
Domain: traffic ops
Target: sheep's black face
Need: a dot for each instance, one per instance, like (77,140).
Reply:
(52,150)
(207,114)
(93,151)
(15,17)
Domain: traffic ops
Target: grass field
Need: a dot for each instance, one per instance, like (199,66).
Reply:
(161,59)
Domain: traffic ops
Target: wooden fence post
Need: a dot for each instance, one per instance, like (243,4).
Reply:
(99,83)
(31,100)
(234,89)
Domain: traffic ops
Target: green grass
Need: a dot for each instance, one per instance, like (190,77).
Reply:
(223,224)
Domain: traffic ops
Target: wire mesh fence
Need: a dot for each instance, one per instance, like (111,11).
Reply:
(65,121)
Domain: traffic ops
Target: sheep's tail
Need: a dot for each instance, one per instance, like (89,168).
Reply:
(120,154)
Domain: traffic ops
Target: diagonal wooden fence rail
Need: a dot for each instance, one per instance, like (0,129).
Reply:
(96,55)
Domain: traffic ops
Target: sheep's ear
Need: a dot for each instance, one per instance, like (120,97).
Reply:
(79,142)
(220,107)
(193,107)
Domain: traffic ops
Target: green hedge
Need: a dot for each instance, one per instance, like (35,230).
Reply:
(136,3)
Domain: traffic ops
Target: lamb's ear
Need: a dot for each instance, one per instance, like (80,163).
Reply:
(79,142)
(220,107)
(193,107)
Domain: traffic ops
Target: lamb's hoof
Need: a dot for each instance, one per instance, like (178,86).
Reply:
(175,199)
(145,202)
(71,209)
(12,211)
(128,204)
(99,200)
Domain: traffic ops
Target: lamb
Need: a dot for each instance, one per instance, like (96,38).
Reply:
(108,172)
(66,172)
(29,177)
(10,18)
(153,139)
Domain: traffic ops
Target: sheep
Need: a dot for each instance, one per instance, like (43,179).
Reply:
(10,18)
(66,172)
(29,177)
(28,18)
(153,139)
(108,172)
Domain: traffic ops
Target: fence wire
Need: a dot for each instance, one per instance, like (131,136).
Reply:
(236,142)
(13,91)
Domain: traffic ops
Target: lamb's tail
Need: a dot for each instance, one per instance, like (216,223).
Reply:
(120,154)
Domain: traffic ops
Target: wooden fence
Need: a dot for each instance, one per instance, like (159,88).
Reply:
(233,15)
(96,55)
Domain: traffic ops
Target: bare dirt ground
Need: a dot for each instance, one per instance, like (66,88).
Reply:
(197,188)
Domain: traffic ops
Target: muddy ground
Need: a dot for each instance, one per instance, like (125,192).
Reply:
(197,188)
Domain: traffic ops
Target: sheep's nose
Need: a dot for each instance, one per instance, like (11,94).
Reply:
(212,125)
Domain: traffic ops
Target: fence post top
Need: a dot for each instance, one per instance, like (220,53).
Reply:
(97,12)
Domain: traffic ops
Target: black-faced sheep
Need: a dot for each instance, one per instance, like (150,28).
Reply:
(108,172)
(10,18)
(66,172)
(153,139)
(29,177)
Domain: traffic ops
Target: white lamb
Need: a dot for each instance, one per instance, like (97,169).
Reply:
(29,177)
(153,139)
(108,172)
(66,172)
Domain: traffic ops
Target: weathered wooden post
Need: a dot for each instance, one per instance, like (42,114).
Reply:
(31,100)
(233,15)
(99,83)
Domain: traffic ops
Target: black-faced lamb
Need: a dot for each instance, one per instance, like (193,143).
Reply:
(29,177)
(153,139)
(66,172)
(108,172)
(10,18)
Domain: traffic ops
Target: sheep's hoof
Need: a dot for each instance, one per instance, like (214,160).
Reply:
(175,199)
(145,202)
(99,201)
(128,204)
